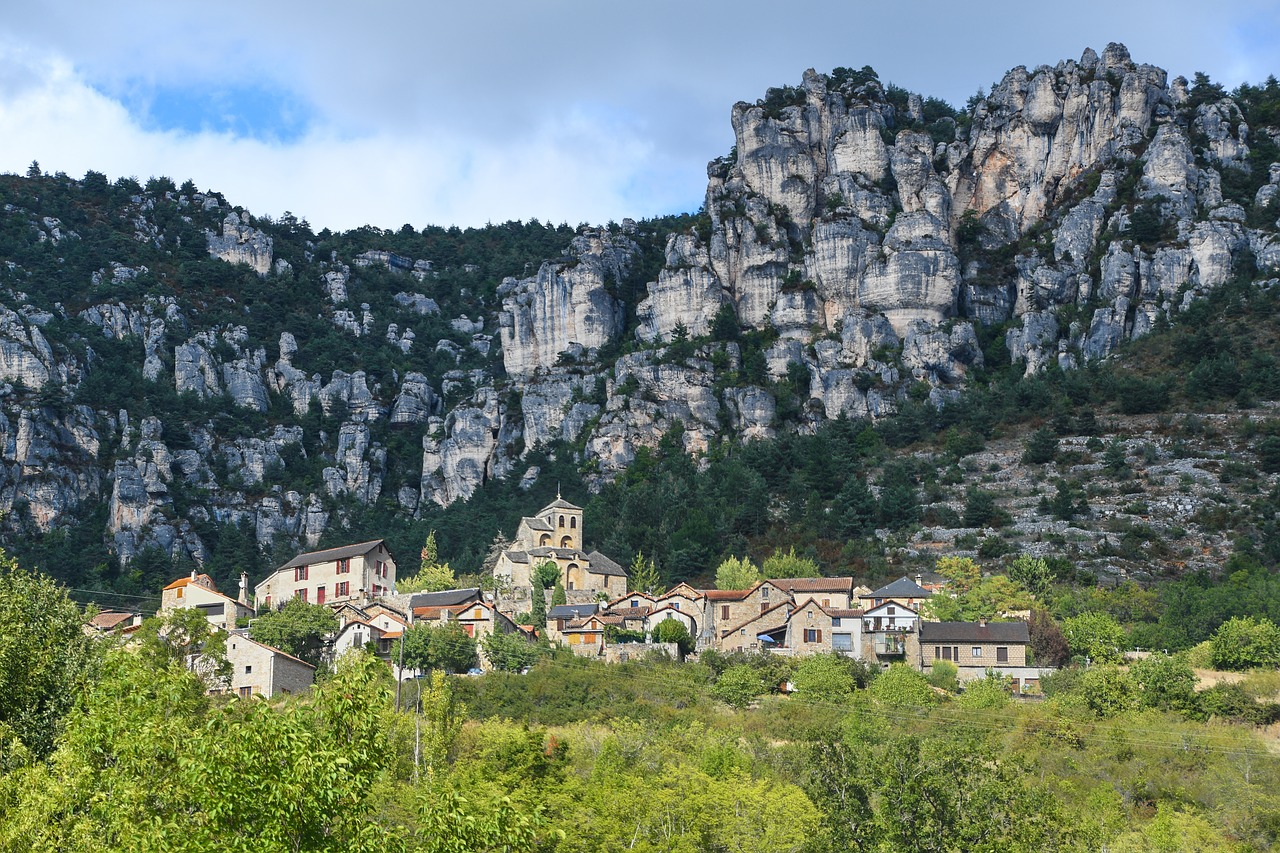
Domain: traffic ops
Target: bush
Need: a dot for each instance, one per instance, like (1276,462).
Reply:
(1167,682)
(989,692)
(738,685)
(1041,448)
(824,678)
(943,675)
(902,686)
(1245,642)
(1107,691)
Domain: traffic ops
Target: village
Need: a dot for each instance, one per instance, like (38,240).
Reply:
(599,618)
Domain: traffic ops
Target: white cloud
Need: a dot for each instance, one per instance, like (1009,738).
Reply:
(565,110)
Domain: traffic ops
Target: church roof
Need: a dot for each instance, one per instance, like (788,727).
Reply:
(602,565)
(536,523)
(561,503)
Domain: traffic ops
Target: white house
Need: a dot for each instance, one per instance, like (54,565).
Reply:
(357,573)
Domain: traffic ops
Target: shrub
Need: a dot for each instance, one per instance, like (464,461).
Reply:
(1245,642)
(944,676)
(1041,448)
(1095,635)
(902,686)
(1107,691)
(824,678)
(738,685)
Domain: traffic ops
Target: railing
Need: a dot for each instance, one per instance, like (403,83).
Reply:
(890,644)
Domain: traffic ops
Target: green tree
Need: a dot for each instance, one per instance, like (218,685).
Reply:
(558,596)
(735,573)
(447,647)
(538,607)
(1041,448)
(300,628)
(511,651)
(902,686)
(824,678)
(644,575)
(546,574)
(674,631)
(1244,642)
(789,565)
(1115,458)
(738,685)
(1167,682)
(432,575)
(1032,573)
(45,657)
(981,510)
(1097,636)
(855,508)
(1107,690)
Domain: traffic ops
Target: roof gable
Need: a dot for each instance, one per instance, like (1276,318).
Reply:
(903,587)
(329,555)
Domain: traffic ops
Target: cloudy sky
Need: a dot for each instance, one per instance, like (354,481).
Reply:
(392,111)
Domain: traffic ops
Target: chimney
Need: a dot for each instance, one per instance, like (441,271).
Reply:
(193,575)
(982,621)
(244,588)
(919,579)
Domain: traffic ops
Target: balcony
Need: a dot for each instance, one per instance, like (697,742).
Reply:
(891,644)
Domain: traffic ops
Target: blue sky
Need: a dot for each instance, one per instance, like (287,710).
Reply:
(393,112)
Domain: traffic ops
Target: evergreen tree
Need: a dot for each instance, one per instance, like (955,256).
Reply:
(855,508)
(557,595)
(1041,448)
(644,576)
(538,607)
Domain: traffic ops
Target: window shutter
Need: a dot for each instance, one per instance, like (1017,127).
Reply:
(819,635)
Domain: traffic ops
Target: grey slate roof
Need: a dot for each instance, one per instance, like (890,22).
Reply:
(974,632)
(444,598)
(560,503)
(602,565)
(537,523)
(518,556)
(346,552)
(572,611)
(903,587)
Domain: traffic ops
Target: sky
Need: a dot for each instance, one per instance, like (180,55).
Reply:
(389,112)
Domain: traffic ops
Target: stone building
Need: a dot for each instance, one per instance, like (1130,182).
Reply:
(555,535)
(200,593)
(353,573)
(261,670)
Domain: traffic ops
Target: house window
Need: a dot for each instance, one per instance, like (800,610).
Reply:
(246,692)
(813,635)
(248,669)
(1002,654)
(566,542)
(180,592)
(342,589)
(809,615)
(344,566)
(570,584)
(573,523)
(977,651)
(674,604)
(835,621)
(764,593)
(300,573)
(470,629)
(562,521)
(946,653)
(477,614)
(588,638)
(545,540)
(302,593)
(742,632)
(724,611)
(635,602)
(891,611)
(842,642)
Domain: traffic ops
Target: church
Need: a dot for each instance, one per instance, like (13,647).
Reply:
(555,535)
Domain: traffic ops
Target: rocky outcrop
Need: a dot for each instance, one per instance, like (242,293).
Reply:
(568,303)
(240,243)
(474,448)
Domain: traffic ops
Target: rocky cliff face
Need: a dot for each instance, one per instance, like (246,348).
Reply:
(858,246)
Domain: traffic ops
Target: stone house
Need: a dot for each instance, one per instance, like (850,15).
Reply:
(563,614)
(357,573)
(585,637)
(669,611)
(829,592)
(555,535)
(113,621)
(261,670)
(904,591)
(478,618)
(199,592)
(761,630)
(814,628)
(890,633)
(731,608)
(976,647)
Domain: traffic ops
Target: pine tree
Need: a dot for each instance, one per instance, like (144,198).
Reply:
(856,508)
(557,595)
(644,576)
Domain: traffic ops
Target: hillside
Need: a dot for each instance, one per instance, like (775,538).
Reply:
(881,300)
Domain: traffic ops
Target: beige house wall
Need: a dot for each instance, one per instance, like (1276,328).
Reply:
(264,671)
(363,574)
(929,652)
